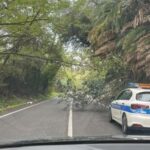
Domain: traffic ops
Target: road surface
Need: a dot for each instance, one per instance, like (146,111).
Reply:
(48,119)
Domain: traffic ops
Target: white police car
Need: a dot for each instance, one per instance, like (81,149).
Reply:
(131,108)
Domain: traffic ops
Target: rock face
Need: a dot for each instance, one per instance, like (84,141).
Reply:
(133,39)
(140,59)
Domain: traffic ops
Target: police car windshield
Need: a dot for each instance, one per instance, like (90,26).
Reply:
(144,96)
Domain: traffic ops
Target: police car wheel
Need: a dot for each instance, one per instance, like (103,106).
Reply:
(125,125)
(110,116)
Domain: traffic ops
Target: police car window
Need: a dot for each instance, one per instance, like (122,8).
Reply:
(125,95)
(120,95)
(144,96)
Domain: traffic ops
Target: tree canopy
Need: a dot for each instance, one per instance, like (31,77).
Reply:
(34,34)
(30,52)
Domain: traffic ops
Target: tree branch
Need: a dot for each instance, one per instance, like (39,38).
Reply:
(61,62)
(34,18)
(9,36)
(54,61)
(22,23)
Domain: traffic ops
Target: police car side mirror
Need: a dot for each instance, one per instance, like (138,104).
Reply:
(112,98)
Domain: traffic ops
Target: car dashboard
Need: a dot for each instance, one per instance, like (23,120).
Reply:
(116,146)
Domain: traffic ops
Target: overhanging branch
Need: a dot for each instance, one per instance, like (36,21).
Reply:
(60,62)
(23,22)
(54,61)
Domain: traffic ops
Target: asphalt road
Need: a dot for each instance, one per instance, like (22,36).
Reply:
(48,119)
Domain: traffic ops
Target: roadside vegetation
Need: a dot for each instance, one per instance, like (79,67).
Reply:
(46,47)
(117,35)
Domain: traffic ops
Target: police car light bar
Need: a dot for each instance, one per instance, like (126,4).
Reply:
(139,85)
(144,86)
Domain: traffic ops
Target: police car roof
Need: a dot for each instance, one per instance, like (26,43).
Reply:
(137,90)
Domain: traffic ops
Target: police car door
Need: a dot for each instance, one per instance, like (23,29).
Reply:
(115,107)
(123,101)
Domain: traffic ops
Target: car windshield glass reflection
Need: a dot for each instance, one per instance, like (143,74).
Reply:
(61,61)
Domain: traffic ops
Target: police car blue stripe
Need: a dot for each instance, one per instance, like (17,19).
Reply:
(129,109)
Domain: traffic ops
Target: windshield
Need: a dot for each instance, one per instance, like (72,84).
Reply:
(62,62)
(145,96)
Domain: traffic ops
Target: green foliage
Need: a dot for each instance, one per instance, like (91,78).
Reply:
(74,23)
(33,34)
(30,52)
(94,87)
(129,41)
(126,20)
(6,104)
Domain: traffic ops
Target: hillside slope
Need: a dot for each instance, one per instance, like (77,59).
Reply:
(124,31)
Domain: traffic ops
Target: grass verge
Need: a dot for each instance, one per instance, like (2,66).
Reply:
(15,102)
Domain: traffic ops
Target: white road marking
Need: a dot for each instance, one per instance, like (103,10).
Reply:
(21,110)
(70,125)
